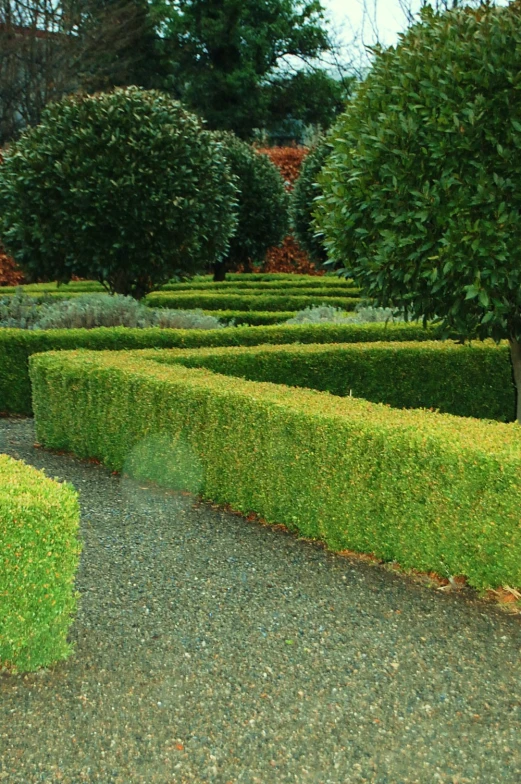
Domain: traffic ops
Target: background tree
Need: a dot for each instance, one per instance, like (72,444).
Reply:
(262,210)
(124,187)
(49,48)
(301,99)
(223,52)
(421,199)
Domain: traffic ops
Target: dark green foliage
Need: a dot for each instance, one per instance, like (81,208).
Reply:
(262,210)
(302,204)
(246,301)
(252,317)
(301,99)
(223,53)
(122,187)
(40,549)
(16,345)
(467,381)
(422,193)
(430,491)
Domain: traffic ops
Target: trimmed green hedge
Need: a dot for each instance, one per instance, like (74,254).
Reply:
(270,302)
(261,290)
(39,555)
(240,282)
(252,318)
(304,288)
(270,276)
(431,491)
(465,380)
(81,286)
(16,345)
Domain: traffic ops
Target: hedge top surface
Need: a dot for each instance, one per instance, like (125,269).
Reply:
(429,430)
(21,481)
(309,349)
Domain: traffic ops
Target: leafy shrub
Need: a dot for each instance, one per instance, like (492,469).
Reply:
(21,311)
(262,209)
(368,314)
(422,192)
(325,314)
(122,187)
(319,314)
(97,310)
(302,205)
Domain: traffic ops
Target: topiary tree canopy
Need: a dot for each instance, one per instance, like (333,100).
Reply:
(302,204)
(422,193)
(262,210)
(123,187)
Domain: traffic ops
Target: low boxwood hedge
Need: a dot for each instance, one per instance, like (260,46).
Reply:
(270,302)
(465,380)
(39,555)
(336,288)
(432,491)
(16,345)
(252,318)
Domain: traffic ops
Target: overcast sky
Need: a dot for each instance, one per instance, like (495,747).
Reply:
(348,17)
(382,17)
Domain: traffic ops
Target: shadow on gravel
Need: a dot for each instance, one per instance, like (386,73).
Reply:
(211,649)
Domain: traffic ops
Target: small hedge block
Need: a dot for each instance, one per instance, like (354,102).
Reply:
(39,555)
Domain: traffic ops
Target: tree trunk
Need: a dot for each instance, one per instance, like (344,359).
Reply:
(219,271)
(515,355)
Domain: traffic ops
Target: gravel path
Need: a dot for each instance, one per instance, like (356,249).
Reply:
(212,649)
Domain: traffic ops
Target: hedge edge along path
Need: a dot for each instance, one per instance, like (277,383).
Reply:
(431,491)
(16,345)
(39,556)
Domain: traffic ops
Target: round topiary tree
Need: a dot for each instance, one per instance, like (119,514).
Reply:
(262,210)
(302,202)
(123,187)
(422,192)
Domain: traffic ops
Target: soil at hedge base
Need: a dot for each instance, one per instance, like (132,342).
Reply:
(213,649)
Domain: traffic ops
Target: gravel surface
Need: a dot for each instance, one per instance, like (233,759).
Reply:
(213,649)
